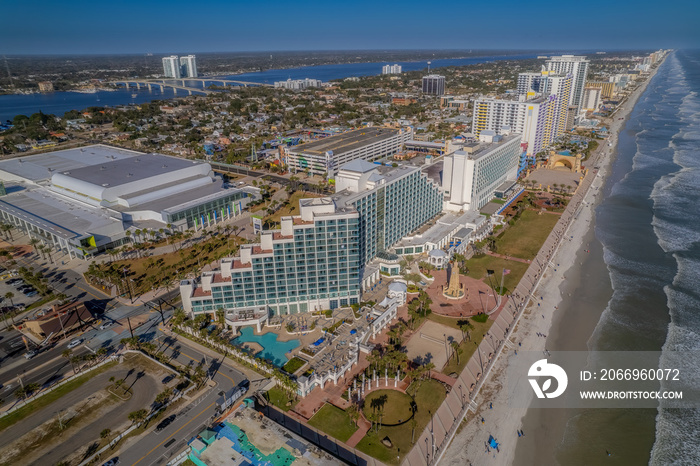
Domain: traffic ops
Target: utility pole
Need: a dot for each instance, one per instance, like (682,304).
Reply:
(128,319)
(160,309)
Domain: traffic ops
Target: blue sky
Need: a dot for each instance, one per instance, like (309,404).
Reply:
(126,26)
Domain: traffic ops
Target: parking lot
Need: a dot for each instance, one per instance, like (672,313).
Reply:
(14,285)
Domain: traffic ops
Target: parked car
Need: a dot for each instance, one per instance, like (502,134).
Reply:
(168,378)
(30,354)
(114,461)
(30,294)
(75,343)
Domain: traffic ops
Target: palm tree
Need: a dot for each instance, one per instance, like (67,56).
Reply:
(33,242)
(47,250)
(68,354)
(455,346)
(136,417)
(9,295)
(353,413)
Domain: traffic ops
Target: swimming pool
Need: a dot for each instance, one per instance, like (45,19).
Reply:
(273,350)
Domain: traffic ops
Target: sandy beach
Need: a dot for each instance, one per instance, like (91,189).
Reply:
(576,268)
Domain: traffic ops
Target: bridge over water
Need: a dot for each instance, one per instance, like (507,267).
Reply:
(182,84)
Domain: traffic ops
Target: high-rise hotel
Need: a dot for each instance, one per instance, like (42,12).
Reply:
(316,260)
(577,67)
(539,114)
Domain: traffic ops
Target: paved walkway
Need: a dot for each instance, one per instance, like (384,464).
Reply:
(363,426)
(440,377)
(478,298)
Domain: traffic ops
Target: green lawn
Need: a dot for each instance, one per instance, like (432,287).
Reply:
(478,265)
(467,348)
(393,406)
(525,238)
(280,398)
(429,395)
(293,365)
(334,421)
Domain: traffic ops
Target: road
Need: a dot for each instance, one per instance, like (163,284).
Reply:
(50,366)
(159,447)
(47,366)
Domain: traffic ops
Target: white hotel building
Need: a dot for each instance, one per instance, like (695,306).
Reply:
(472,175)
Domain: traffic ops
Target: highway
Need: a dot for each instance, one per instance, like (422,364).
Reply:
(158,447)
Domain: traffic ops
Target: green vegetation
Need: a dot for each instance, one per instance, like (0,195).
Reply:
(481,318)
(149,273)
(428,395)
(473,334)
(335,326)
(480,263)
(388,406)
(41,302)
(280,398)
(525,238)
(45,400)
(293,365)
(334,421)
(592,145)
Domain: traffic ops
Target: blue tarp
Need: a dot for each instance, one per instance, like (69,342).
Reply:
(353,331)
(318,342)
(492,442)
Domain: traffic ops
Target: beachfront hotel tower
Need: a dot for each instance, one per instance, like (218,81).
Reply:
(532,119)
(392,201)
(474,173)
(312,262)
(577,67)
(539,114)
(318,260)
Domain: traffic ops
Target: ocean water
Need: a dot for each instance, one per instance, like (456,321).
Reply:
(649,226)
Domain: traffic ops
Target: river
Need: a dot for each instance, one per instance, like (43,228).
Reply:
(58,103)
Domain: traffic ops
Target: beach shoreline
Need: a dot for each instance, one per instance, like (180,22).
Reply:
(552,317)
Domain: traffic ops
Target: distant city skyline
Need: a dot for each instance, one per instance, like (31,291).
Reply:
(176,26)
